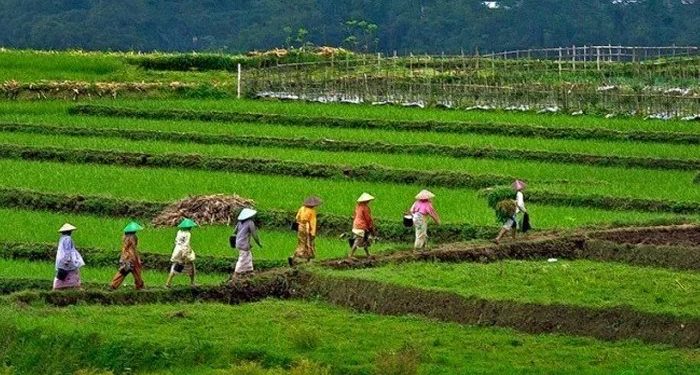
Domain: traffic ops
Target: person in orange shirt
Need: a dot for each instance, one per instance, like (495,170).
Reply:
(130,261)
(362,225)
(306,231)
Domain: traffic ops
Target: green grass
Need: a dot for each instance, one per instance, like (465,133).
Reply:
(563,178)
(105,233)
(581,282)
(164,185)
(33,66)
(279,333)
(19,269)
(55,115)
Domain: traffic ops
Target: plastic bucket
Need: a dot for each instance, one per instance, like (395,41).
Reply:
(407,221)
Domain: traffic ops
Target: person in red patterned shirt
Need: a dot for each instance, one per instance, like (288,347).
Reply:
(362,225)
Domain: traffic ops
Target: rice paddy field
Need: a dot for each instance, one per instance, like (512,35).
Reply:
(556,300)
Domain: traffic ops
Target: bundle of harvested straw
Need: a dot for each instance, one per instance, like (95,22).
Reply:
(203,209)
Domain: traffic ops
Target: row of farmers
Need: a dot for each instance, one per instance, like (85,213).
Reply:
(69,261)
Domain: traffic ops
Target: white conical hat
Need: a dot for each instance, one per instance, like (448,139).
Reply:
(425,194)
(246,213)
(67,228)
(365,198)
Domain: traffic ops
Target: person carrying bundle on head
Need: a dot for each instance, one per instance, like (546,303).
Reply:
(508,210)
(183,256)
(362,225)
(129,261)
(421,209)
(305,223)
(245,230)
(68,260)
(524,222)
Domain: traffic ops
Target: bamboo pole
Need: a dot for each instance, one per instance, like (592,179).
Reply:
(238,83)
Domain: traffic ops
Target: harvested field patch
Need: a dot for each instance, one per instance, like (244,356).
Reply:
(688,235)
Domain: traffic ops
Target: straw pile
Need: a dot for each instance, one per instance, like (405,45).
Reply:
(203,209)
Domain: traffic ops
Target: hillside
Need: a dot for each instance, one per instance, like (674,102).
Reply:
(401,25)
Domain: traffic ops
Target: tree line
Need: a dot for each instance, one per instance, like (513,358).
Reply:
(417,26)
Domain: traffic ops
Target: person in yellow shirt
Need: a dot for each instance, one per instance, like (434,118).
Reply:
(306,231)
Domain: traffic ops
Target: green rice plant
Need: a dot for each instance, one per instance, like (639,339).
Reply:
(344,146)
(428,126)
(54,113)
(367,172)
(580,283)
(454,205)
(576,180)
(35,66)
(413,114)
(207,241)
(22,269)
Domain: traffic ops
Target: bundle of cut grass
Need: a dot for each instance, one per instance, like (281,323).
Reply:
(203,209)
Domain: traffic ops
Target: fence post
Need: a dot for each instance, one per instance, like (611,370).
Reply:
(573,58)
(559,62)
(238,85)
(597,52)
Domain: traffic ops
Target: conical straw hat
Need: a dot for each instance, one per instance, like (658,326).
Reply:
(312,201)
(425,195)
(246,214)
(67,228)
(132,227)
(365,198)
(519,185)
(187,224)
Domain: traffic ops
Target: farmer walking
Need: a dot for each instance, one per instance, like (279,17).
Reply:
(245,230)
(183,256)
(68,260)
(306,231)
(362,225)
(421,209)
(129,261)
(508,212)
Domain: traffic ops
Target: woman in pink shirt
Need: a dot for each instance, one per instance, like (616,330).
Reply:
(422,207)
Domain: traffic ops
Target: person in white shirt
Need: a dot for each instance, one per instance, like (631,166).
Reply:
(183,256)
(512,223)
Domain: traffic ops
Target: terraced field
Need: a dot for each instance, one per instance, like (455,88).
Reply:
(620,301)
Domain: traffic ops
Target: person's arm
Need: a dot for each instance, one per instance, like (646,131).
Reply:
(69,251)
(312,223)
(520,201)
(368,220)
(254,234)
(434,214)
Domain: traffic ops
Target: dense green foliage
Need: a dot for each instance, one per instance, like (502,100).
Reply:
(418,26)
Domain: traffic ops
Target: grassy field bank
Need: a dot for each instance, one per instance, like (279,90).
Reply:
(141,338)
(584,283)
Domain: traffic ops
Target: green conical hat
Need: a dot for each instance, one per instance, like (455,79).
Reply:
(132,227)
(187,224)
